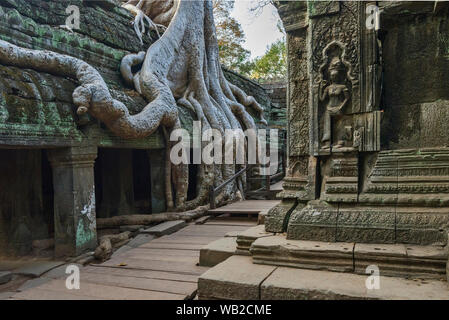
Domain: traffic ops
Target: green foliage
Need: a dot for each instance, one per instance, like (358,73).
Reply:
(272,65)
(230,37)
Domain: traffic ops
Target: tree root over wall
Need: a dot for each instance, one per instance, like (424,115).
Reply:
(130,220)
(180,69)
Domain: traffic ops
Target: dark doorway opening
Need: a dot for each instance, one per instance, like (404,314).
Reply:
(26,203)
(142,181)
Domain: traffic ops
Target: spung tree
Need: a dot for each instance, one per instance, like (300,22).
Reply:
(180,70)
(230,37)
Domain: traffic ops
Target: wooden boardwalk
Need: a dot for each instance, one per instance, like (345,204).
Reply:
(162,269)
(247,207)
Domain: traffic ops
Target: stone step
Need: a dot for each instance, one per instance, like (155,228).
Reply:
(165,228)
(5,276)
(238,278)
(218,251)
(397,260)
(246,238)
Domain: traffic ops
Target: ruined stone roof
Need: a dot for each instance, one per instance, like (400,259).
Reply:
(36,108)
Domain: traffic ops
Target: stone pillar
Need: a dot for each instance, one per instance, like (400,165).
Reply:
(157,167)
(74,199)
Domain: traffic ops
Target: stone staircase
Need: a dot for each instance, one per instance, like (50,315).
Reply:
(255,264)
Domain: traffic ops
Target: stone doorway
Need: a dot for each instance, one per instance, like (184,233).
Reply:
(26,203)
(129,181)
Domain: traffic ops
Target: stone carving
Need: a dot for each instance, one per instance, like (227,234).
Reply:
(334,93)
(366,194)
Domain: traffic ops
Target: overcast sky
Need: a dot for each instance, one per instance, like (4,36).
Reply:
(260,31)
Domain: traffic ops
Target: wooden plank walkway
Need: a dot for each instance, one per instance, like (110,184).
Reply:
(247,207)
(162,269)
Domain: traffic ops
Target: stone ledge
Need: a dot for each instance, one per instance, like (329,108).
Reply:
(394,260)
(401,260)
(246,238)
(235,279)
(165,228)
(218,251)
(238,279)
(300,284)
(279,251)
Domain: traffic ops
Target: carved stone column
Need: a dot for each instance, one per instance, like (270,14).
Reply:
(74,200)
(300,181)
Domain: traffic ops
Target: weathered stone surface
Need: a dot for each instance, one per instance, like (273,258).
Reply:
(60,271)
(279,251)
(233,234)
(5,276)
(74,200)
(141,239)
(246,238)
(298,284)
(218,251)
(317,221)
(366,224)
(202,220)
(276,218)
(422,225)
(235,279)
(33,283)
(401,260)
(37,268)
(165,228)
(390,156)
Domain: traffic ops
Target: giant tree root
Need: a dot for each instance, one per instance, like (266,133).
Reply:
(110,242)
(130,220)
(181,68)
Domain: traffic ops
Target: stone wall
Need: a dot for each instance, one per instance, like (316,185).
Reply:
(416,68)
(277,91)
(368,156)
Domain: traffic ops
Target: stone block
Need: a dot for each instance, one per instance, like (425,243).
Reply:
(300,284)
(366,224)
(235,279)
(246,238)
(275,218)
(38,268)
(5,276)
(141,239)
(399,260)
(279,251)
(165,228)
(317,221)
(218,251)
(423,226)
